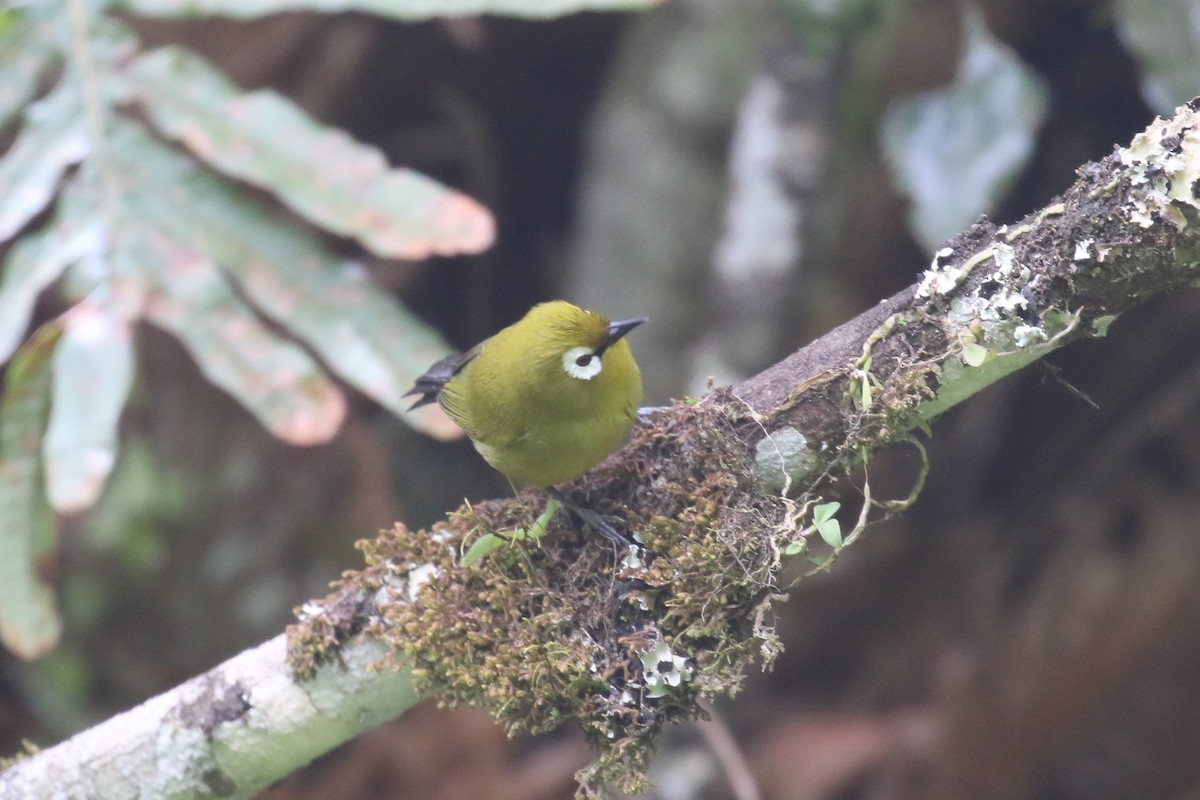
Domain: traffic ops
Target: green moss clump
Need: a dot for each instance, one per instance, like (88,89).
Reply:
(553,631)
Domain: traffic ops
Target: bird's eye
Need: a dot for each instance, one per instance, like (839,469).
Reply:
(581,363)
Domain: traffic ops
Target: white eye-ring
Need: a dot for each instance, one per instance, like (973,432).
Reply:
(582,363)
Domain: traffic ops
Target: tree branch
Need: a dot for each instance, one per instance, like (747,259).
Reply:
(625,643)
(228,733)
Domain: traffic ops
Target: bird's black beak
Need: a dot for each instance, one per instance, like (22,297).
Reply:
(617,330)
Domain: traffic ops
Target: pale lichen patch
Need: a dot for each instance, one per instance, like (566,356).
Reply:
(782,459)
(1164,165)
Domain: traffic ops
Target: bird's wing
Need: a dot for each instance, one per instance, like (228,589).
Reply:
(430,385)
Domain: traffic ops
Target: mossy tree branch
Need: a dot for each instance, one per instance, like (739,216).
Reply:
(624,643)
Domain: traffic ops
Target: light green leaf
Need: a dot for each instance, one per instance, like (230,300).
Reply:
(274,378)
(38,259)
(398,9)
(827,526)
(825,511)
(322,173)
(28,49)
(362,334)
(974,354)
(93,368)
(1164,37)
(29,623)
(51,140)
(956,151)
(481,547)
(831,532)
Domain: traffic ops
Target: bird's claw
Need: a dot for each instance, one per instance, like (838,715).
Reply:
(604,525)
(600,522)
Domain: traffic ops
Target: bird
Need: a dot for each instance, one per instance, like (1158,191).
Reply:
(545,399)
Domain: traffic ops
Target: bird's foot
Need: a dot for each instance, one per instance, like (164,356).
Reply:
(600,522)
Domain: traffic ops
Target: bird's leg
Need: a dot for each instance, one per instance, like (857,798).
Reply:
(589,517)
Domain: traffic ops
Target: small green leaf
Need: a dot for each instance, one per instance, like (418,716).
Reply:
(831,532)
(825,511)
(481,547)
(490,541)
(275,379)
(974,354)
(51,140)
(864,401)
(540,525)
(398,9)
(93,369)
(798,547)
(29,622)
(826,525)
(265,139)
(956,151)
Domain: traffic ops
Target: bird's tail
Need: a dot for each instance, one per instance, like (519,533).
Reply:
(429,385)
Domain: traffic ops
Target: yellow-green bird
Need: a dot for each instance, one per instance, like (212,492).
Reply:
(545,399)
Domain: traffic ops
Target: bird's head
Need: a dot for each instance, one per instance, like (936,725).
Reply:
(581,353)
